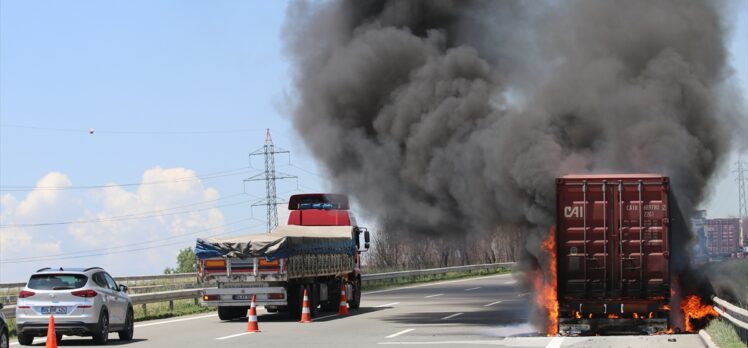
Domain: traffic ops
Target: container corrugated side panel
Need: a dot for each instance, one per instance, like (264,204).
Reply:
(613,237)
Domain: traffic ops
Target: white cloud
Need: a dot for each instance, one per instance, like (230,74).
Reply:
(172,210)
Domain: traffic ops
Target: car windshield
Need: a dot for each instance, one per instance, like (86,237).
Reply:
(57,281)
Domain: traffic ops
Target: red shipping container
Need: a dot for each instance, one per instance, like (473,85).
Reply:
(722,237)
(613,252)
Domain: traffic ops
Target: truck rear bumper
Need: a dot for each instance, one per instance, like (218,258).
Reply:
(227,297)
(577,327)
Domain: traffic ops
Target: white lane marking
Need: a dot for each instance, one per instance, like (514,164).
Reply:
(387,304)
(523,294)
(399,333)
(43,339)
(555,342)
(491,304)
(177,320)
(236,335)
(430,296)
(327,316)
(510,282)
(438,283)
(452,316)
(451,343)
(475,288)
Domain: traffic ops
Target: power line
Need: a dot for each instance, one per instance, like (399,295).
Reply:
(71,253)
(269,176)
(151,214)
(133,249)
(92,131)
(221,174)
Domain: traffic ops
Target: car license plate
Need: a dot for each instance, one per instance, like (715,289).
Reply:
(54,310)
(242,297)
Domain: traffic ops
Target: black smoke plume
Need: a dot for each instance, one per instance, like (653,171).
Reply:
(444,118)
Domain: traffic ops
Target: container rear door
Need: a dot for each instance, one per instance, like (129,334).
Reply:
(612,238)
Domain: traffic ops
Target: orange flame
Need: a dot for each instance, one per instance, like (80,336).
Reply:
(636,315)
(651,315)
(665,307)
(545,287)
(577,315)
(692,308)
(613,316)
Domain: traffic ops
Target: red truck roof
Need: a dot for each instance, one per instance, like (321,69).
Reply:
(320,209)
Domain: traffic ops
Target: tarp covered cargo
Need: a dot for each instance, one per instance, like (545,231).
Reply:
(283,242)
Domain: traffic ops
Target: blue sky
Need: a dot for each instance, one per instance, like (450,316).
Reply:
(173,90)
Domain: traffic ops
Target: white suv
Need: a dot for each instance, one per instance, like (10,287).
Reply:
(84,302)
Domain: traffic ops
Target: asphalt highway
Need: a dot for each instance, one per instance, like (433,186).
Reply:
(467,312)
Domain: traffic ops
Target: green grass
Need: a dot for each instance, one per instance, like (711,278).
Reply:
(160,310)
(724,334)
(391,283)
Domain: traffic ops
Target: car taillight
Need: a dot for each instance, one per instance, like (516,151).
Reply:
(211,297)
(25,294)
(275,296)
(84,293)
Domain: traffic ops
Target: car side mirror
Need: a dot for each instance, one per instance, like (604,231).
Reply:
(122,288)
(1,306)
(366,239)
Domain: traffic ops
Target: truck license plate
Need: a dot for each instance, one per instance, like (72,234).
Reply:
(242,297)
(54,310)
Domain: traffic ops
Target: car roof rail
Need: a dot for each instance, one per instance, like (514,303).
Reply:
(43,269)
(90,268)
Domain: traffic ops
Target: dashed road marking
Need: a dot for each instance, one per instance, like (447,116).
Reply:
(236,335)
(452,316)
(475,288)
(327,316)
(555,342)
(450,343)
(387,305)
(430,296)
(492,303)
(399,333)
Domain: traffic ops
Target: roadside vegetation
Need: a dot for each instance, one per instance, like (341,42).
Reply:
(724,334)
(390,283)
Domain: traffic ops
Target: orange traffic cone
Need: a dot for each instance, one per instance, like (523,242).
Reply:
(51,335)
(252,325)
(306,313)
(343,309)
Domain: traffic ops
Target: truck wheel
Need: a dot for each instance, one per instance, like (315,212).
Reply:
(227,313)
(333,297)
(355,300)
(295,298)
(313,299)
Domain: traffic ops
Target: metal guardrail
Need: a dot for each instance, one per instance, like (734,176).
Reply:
(737,316)
(184,294)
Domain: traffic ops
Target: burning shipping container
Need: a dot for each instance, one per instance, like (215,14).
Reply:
(613,253)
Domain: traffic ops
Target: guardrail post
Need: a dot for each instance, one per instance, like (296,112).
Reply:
(145,310)
(171,305)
